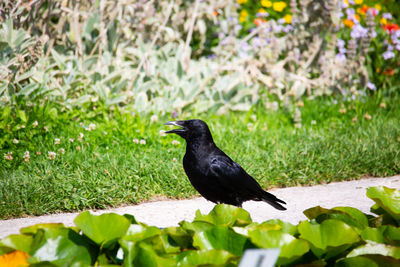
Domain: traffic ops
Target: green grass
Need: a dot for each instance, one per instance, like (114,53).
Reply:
(111,170)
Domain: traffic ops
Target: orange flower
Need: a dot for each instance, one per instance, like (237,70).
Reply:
(390,27)
(363,10)
(388,72)
(258,21)
(215,13)
(348,23)
(14,259)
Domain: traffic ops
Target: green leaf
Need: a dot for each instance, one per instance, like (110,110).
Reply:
(376,248)
(220,237)
(61,246)
(291,248)
(16,242)
(22,115)
(196,226)
(226,215)
(103,229)
(329,238)
(285,227)
(213,257)
(386,198)
(350,216)
(369,260)
(146,256)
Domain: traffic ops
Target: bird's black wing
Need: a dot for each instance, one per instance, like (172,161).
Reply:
(233,177)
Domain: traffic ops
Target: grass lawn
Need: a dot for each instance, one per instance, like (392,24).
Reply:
(109,168)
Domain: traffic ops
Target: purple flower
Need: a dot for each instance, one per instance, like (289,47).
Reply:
(351,2)
(395,34)
(398,47)
(387,15)
(257,42)
(212,56)
(371,86)
(359,31)
(245,46)
(350,12)
(281,21)
(388,55)
(341,57)
(287,28)
(262,15)
(174,114)
(340,43)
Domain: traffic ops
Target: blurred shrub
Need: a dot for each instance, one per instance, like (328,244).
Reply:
(159,56)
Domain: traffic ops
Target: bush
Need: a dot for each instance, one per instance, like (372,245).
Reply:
(342,236)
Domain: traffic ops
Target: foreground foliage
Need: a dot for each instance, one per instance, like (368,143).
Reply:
(342,236)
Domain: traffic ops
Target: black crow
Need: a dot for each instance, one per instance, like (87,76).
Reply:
(212,173)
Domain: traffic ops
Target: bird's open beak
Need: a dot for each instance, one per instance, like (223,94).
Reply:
(176,123)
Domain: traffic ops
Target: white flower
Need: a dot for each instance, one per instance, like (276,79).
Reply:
(71,140)
(8,156)
(61,150)
(52,155)
(135,141)
(46,128)
(162,133)
(154,118)
(175,142)
(142,142)
(174,160)
(57,141)
(92,127)
(15,141)
(26,156)
(35,123)
(297,125)
(80,137)
(313,122)
(250,126)
(253,117)
(23,126)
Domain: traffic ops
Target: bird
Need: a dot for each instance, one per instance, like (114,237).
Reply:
(214,174)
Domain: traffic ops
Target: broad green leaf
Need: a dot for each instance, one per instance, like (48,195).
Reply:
(16,242)
(146,256)
(220,237)
(196,226)
(34,228)
(387,198)
(226,215)
(376,248)
(373,234)
(368,261)
(329,238)
(350,216)
(178,236)
(285,227)
(103,229)
(61,246)
(291,248)
(213,257)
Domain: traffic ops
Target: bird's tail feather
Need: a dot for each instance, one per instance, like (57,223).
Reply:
(273,201)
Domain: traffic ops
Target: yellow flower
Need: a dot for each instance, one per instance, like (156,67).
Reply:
(15,258)
(348,23)
(358,2)
(378,6)
(279,6)
(383,21)
(262,10)
(266,3)
(242,2)
(243,15)
(357,17)
(288,18)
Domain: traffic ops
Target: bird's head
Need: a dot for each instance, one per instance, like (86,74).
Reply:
(191,129)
